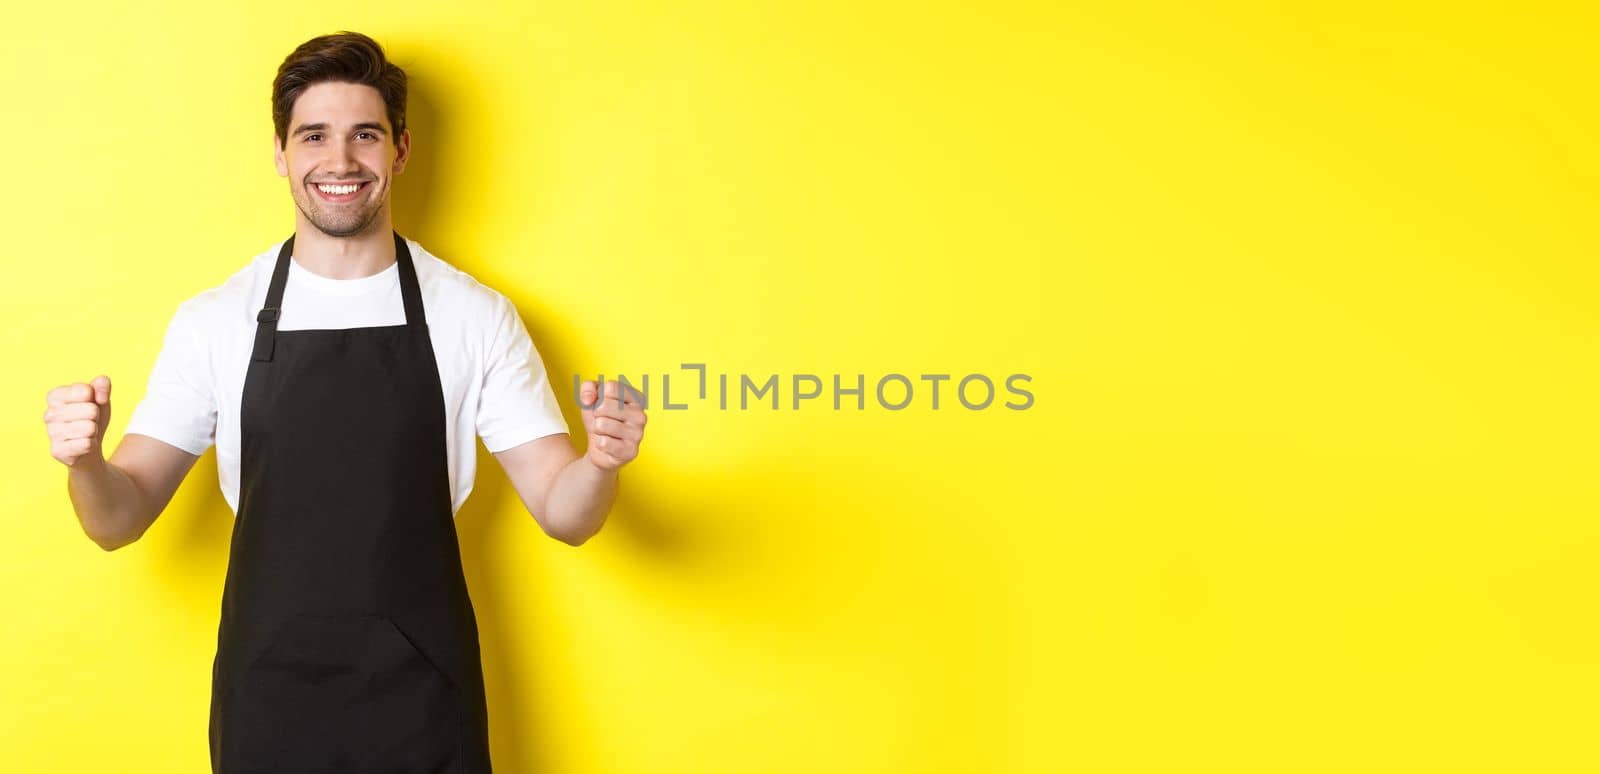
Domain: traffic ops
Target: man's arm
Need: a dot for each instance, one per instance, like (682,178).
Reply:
(570,495)
(116,500)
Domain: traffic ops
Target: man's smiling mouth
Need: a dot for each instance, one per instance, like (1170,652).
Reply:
(341,192)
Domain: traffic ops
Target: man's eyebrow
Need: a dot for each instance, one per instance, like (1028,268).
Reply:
(322,127)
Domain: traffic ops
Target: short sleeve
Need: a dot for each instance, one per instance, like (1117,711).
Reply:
(179,405)
(517,403)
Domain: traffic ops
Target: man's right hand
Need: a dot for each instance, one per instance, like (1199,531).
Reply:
(76,416)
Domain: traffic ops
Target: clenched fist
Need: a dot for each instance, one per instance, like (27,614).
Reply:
(615,426)
(76,416)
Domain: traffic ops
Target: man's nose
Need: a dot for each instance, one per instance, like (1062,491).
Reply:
(344,157)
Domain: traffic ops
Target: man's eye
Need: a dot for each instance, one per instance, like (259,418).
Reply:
(311,137)
(369,134)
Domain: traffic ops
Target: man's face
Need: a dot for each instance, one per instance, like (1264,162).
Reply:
(339,135)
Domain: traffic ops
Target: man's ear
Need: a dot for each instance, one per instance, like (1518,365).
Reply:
(402,151)
(277,157)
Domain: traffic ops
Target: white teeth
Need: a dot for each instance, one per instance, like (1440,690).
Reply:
(337,189)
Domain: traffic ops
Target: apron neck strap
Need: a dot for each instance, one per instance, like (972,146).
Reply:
(410,288)
(267,317)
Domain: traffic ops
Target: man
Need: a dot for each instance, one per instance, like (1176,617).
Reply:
(344,376)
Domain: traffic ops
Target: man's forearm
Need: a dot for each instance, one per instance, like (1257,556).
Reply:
(580,497)
(109,505)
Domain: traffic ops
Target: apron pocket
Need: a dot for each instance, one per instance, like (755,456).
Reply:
(345,693)
(415,724)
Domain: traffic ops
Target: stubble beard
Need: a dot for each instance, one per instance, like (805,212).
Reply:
(338,224)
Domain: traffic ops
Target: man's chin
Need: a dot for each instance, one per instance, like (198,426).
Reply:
(342,229)
(341,233)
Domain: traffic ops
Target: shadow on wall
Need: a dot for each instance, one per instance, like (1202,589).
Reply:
(430,132)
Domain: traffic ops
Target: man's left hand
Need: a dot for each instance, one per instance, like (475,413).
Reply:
(615,426)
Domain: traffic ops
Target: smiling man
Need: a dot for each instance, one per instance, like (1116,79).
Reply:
(344,375)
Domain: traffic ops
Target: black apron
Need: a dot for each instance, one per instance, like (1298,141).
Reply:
(347,641)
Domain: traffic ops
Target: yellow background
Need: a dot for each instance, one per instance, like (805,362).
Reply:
(1307,295)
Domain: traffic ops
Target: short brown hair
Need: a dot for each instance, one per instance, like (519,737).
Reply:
(348,57)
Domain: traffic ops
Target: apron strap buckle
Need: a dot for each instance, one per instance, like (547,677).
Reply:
(266,328)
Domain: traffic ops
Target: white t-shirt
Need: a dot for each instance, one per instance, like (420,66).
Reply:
(493,379)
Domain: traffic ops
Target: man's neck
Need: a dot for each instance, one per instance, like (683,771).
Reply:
(352,257)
